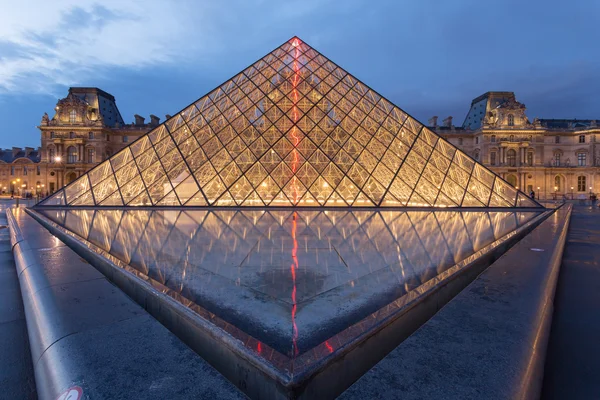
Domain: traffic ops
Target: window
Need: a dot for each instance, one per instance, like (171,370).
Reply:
(530,158)
(556,159)
(511,120)
(557,184)
(72,154)
(460,141)
(493,138)
(71,135)
(556,139)
(72,116)
(581,138)
(581,159)
(476,156)
(512,138)
(90,155)
(511,158)
(91,135)
(107,137)
(38,170)
(477,140)
(493,158)
(581,184)
(12,170)
(125,139)
(52,136)
(24,170)
(51,154)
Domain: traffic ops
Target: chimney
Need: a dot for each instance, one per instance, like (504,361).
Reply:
(448,122)
(433,121)
(154,120)
(28,151)
(15,151)
(167,117)
(139,120)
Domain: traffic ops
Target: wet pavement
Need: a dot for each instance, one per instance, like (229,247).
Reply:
(573,360)
(16,369)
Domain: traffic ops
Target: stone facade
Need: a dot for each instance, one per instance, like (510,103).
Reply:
(86,129)
(554,158)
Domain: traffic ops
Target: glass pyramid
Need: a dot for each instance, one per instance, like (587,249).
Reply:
(293,129)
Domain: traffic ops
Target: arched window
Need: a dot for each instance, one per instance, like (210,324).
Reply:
(557,184)
(581,159)
(476,156)
(512,180)
(511,120)
(493,140)
(51,154)
(581,183)
(72,154)
(72,116)
(530,158)
(71,135)
(511,158)
(493,158)
(556,159)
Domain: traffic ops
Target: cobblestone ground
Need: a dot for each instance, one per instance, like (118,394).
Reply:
(573,362)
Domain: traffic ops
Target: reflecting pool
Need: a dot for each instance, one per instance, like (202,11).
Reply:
(291,284)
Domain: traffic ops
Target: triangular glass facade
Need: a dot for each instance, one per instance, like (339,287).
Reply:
(293,129)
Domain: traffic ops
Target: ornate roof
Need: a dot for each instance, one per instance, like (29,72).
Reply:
(293,129)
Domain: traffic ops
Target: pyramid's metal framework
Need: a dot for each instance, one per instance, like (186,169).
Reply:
(293,129)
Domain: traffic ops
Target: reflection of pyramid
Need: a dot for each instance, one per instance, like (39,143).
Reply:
(292,129)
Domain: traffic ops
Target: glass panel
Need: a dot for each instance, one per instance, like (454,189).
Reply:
(293,128)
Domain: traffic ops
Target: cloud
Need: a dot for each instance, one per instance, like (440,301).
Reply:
(45,45)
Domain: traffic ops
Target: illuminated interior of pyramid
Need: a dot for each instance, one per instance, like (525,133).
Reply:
(292,129)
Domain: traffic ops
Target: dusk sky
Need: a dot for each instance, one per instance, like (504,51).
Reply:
(429,57)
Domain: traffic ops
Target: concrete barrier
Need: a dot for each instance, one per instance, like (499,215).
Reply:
(89,339)
(489,341)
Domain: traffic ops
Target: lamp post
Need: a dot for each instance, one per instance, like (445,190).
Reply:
(538,193)
(555,191)
(571,192)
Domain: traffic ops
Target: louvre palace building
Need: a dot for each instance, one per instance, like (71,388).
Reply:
(555,158)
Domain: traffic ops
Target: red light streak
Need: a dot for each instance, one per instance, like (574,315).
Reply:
(259,348)
(293,268)
(328,347)
(295,117)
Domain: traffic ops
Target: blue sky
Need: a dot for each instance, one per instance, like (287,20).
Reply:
(430,57)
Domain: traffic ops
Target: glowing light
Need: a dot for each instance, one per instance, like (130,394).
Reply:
(293,268)
(329,348)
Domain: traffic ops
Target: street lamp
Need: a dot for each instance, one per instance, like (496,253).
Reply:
(538,192)
(571,192)
(58,158)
